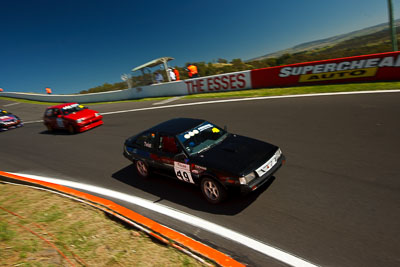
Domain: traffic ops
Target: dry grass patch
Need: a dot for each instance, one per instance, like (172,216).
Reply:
(75,233)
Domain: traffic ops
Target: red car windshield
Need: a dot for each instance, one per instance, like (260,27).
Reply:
(72,108)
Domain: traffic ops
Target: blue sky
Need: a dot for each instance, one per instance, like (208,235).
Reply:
(73,45)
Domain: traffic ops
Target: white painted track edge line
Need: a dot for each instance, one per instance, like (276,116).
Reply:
(12,104)
(29,122)
(167,100)
(251,99)
(224,232)
(238,100)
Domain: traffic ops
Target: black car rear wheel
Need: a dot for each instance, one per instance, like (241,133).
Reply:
(142,168)
(212,190)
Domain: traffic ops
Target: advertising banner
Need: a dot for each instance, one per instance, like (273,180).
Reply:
(219,83)
(376,67)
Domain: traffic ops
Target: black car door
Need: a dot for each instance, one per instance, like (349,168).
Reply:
(171,160)
(144,148)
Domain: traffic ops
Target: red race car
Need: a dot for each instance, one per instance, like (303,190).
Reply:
(73,117)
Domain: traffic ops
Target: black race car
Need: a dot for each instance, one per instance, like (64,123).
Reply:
(199,152)
(9,120)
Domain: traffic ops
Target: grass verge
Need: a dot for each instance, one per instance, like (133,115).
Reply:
(351,87)
(354,87)
(84,235)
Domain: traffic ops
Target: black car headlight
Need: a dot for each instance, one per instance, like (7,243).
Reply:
(278,153)
(248,178)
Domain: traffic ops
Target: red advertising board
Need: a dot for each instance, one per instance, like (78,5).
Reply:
(375,67)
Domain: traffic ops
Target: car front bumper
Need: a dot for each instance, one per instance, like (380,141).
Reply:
(11,126)
(259,181)
(88,124)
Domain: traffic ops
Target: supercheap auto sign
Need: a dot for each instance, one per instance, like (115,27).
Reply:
(375,67)
(342,70)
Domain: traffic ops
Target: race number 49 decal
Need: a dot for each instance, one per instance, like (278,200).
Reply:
(182,171)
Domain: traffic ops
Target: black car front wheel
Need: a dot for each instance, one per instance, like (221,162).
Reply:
(212,190)
(142,169)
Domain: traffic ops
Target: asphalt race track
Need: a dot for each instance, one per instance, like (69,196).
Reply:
(336,202)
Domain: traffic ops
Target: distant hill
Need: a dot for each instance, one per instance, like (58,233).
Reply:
(370,40)
(380,31)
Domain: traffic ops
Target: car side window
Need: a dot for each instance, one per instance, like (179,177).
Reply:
(49,112)
(146,140)
(167,144)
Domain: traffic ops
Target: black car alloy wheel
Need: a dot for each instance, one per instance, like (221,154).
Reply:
(212,190)
(142,168)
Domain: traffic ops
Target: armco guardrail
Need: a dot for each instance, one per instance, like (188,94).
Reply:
(367,68)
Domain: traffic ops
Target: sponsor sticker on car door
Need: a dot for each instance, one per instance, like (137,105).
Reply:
(182,171)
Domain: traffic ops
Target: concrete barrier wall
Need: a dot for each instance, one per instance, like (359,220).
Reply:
(174,88)
(367,68)
(226,82)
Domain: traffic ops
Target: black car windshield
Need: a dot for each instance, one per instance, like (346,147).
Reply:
(201,138)
(72,108)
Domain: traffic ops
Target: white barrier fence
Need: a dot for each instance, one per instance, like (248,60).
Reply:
(217,83)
